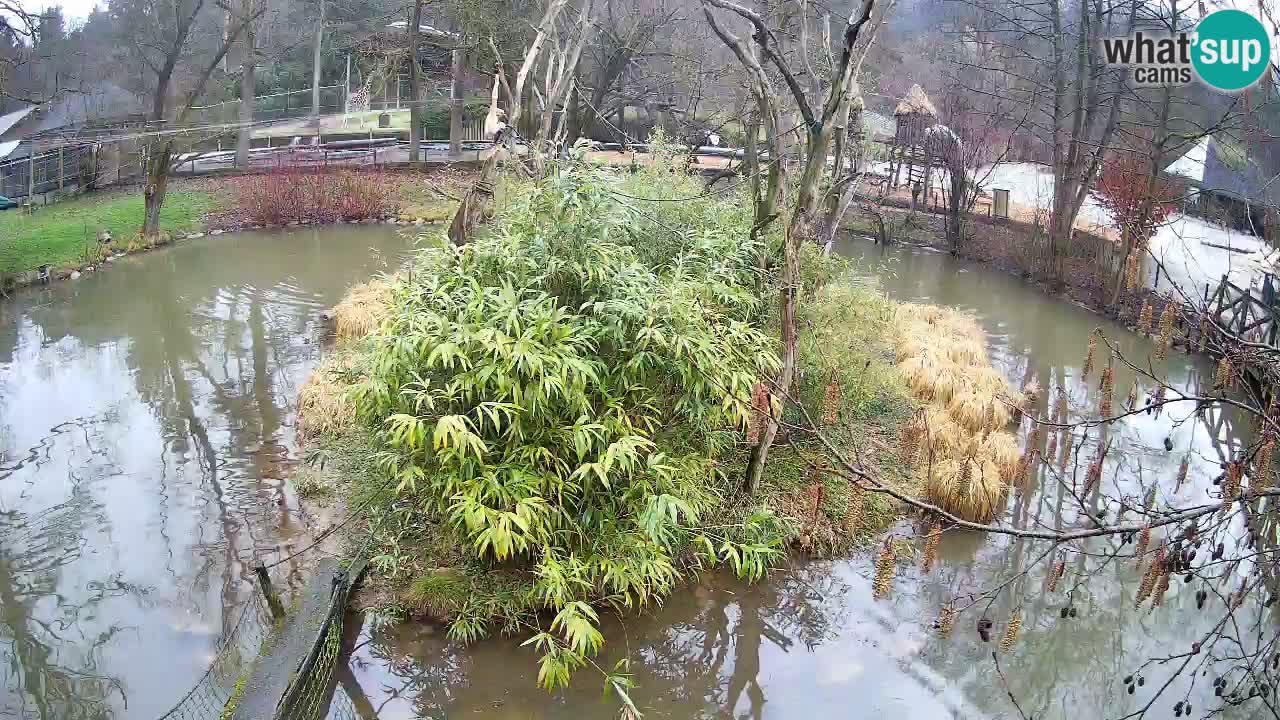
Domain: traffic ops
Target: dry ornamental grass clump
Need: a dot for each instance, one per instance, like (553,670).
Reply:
(324,402)
(942,357)
(363,309)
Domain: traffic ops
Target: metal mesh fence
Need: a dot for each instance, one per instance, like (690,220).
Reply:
(71,169)
(311,693)
(227,674)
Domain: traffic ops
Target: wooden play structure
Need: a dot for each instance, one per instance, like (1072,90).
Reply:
(914,116)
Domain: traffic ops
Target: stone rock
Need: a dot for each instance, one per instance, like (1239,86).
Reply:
(193,236)
(75,275)
(292,223)
(216,232)
(109,259)
(419,222)
(89,269)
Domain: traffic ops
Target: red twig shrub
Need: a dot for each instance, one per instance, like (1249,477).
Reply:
(315,195)
(1122,189)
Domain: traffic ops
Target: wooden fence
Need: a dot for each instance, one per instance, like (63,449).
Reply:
(1250,315)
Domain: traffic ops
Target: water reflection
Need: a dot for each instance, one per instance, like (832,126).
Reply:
(811,642)
(145,434)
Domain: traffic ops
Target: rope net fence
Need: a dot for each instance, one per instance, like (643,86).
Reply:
(227,673)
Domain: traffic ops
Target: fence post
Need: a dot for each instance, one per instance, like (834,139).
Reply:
(61,169)
(31,179)
(273,601)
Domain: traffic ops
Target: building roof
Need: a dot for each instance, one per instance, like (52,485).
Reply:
(7,148)
(427,30)
(13,118)
(915,102)
(1219,165)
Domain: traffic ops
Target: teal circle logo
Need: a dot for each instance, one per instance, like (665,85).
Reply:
(1231,49)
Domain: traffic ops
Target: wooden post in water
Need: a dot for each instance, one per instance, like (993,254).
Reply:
(264,583)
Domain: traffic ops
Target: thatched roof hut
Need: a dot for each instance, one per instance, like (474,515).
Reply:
(914,115)
(915,102)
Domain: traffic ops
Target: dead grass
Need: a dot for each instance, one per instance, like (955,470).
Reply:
(362,310)
(968,459)
(324,403)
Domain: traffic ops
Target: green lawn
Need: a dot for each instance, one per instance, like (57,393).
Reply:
(59,234)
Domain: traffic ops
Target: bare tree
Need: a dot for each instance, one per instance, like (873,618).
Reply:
(819,128)
(165,39)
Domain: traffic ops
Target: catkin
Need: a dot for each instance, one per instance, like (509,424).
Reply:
(1144,539)
(1223,378)
(1144,319)
(931,543)
(946,620)
(886,564)
(1182,474)
(1060,413)
(1162,587)
(830,403)
(1058,571)
(1231,484)
(1165,338)
(1265,453)
(1094,476)
(1067,440)
(1131,402)
(1051,452)
(1021,472)
(1105,390)
(1088,358)
(1011,631)
(1157,397)
(1146,586)
(1131,273)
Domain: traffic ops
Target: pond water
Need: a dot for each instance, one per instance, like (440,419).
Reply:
(810,642)
(146,431)
(146,437)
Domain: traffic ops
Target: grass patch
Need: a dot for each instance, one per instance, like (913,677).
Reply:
(65,234)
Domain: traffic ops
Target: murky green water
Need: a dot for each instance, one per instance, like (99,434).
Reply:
(146,431)
(146,434)
(810,642)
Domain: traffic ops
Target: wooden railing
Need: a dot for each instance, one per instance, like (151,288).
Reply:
(1248,314)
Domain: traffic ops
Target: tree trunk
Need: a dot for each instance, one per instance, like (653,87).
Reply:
(455,102)
(415,85)
(157,185)
(248,82)
(315,66)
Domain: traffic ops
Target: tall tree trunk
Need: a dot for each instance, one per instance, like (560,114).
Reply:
(248,82)
(415,84)
(157,185)
(315,66)
(455,101)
